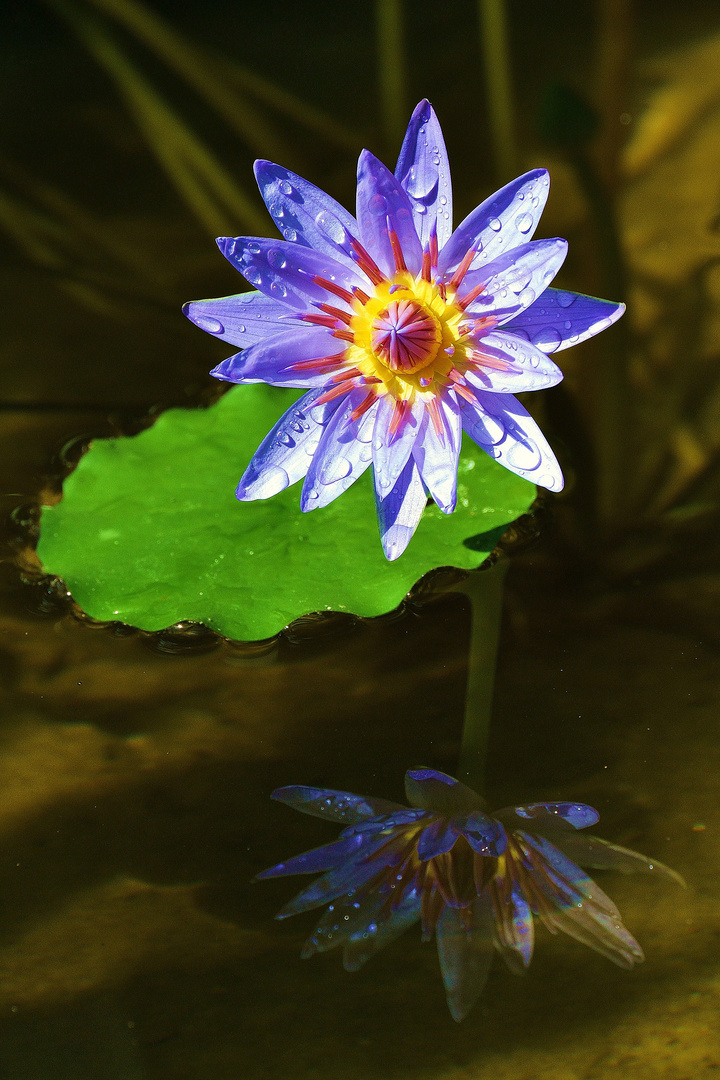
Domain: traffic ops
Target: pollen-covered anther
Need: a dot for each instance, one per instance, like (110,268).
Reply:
(406,336)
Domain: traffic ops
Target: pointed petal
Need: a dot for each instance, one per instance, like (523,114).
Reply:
(527,367)
(340,806)
(351,876)
(602,855)
(539,817)
(306,215)
(377,933)
(439,793)
(390,453)
(423,170)
(382,205)
(563,882)
(505,220)
(558,319)
(286,272)
(437,456)
(506,431)
(268,361)
(465,949)
(439,837)
(243,319)
(515,930)
(599,931)
(319,859)
(343,453)
(284,455)
(399,512)
(514,280)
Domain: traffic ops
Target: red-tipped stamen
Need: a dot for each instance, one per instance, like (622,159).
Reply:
(465,392)
(396,250)
(334,288)
(351,373)
(321,365)
(366,263)
(339,315)
(319,320)
(360,295)
(442,289)
(426,272)
(482,360)
(332,393)
(436,417)
(433,246)
(479,326)
(400,412)
(462,268)
(472,295)
(364,405)
(345,335)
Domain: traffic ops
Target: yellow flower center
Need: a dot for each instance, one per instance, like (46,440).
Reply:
(407,336)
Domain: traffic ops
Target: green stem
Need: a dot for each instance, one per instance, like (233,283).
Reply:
(484,589)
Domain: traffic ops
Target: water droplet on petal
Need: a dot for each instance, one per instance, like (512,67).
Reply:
(285,439)
(277,210)
(286,187)
(366,453)
(377,204)
(519,280)
(523,456)
(276,258)
(526,297)
(334,469)
(210,325)
(524,223)
(332,228)
(313,494)
(254,276)
(565,299)
(254,249)
(271,481)
(495,224)
(547,339)
(278,289)
(290,234)
(443,200)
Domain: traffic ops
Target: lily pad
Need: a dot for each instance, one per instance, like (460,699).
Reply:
(149,531)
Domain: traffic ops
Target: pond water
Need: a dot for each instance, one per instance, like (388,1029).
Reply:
(136,770)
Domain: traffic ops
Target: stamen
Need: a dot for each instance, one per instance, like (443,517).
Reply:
(396,250)
(480,359)
(322,364)
(366,262)
(436,417)
(319,320)
(400,411)
(433,245)
(341,316)
(333,287)
(472,295)
(360,295)
(364,405)
(426,272)
(463,267)
(332,393)
(351,373)
(344,335)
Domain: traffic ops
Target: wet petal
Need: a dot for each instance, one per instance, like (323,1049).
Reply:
(558,319)
(319,859)
(505,220)
(506,431)
(465,949)
(438,837)
(284,455)
(349,877)
(342,455)
(515,931)
(538,817)
(390,453)
(525,366)
(563,882)
(287,272)
(423,170)
(305,214)
(399,512)
(602,855)
(439,793)
(243,319)
(383,205)
(484,835)
(436,455)
(514,280)
(599,931)
(340,806)
(270,361)
(378,932)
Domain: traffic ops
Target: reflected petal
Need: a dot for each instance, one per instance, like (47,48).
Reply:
(465,949)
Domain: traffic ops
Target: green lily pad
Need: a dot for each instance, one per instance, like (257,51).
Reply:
(149,531)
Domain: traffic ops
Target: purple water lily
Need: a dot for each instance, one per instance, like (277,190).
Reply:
(474,882)
(403,332)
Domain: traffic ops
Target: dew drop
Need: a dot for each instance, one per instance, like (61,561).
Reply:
(526,297)
(547,339)
(314,494)
(443,200)
(278,289)
(377,204)
(210,325)
(290,234)
(521,456)
(334,469)
(254,249)
(495,224)
(286,187)
(254,276)
(285,439)
(520,280)
(330,225)
(420,208)
(366,453)
(277,210)
(241,328)
(565,299)
(567,324)
(272,481)
(276,258)
(524,223)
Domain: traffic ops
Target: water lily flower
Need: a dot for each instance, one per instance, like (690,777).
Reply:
(403,332)
(475,882)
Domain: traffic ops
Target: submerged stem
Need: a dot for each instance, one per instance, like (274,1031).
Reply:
(484,590)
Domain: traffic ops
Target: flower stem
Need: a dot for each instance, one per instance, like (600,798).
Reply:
(496,58)
(484,589)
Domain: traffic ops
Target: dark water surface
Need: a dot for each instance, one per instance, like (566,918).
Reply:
(135,772)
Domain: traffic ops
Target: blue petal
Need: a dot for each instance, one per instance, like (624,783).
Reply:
(484,835)
(465,949)
(514,280)
(436,839)
(399,512)
(538,817)
(557,319)
(377,933)
(319,859)
(382,205)
(439,793)
(242,320)
(515,930)
(342,455)
(437,456)
(390,454)
(287,272)
(528,368)
(268,361)
(602,855)
(505,220)
(285,453)
(423,170)
(505,430)
(340,806)
(306,215)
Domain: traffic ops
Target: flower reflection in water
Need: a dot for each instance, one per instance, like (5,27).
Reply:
(476,882)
